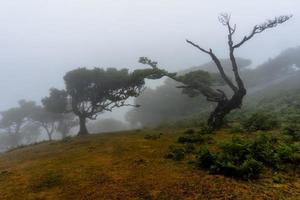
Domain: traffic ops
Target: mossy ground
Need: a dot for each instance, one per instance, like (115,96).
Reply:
(124,166)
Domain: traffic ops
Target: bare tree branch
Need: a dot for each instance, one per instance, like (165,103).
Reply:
(218,63)
(264,26)
(197,46)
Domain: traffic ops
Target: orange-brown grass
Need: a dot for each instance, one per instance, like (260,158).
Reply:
(125,166)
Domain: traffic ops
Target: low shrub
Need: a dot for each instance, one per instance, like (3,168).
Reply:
(189,131)
(229,165)
(237,129)
(199,139)
(295,158)
(185,122)
(189,148)
(245,159)
(153,136)
(293,131)
(176,153)
(263,149)
(260,121)
(289,153)
(205,129)
(250,169)
(205,159)
(236,150)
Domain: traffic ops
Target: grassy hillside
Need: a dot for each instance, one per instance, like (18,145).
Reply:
(126,166)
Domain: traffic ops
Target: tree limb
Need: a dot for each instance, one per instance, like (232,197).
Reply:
(262,27)
(218,64)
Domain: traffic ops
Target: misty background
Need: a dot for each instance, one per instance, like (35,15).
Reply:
(42,40)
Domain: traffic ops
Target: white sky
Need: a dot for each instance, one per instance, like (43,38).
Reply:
(42,39)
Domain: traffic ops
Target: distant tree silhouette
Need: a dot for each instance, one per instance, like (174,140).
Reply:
(16,118)
(90,92)
(65,123)
(45,119)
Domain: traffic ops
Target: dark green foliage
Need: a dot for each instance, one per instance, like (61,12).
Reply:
(93,91)
(293,131)
(295,158)
(195,138)
(236,150)
(233,161)
(176,153)
(289,153)
(189,131)
(205,129)
(246,158)
(185,139)
(263,149)
(250,169)
(285,152)
(102,89)
(199,78)
(189,148)
(273,153)
(237,129)
(57,101)
(260,121)
(206,159)
(188,121)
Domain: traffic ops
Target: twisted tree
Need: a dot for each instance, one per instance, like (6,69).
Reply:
(201,82)
(224,104)
(90,92)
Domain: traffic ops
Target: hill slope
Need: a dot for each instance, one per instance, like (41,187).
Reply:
(123,166)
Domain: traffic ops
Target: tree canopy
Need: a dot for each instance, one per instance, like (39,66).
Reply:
(90,92)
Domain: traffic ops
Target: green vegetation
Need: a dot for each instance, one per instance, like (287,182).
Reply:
(245,158)
(195,138)
(260,121)
(126,165)
(293,131)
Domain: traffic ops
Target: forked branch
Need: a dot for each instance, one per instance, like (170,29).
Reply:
(264,26)
(218,64)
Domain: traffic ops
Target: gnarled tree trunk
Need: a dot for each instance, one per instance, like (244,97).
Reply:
(82,126)
(224,107)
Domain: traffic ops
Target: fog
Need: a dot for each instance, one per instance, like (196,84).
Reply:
(41,40)
(126,99)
